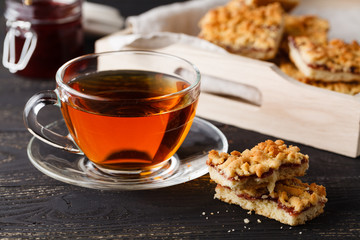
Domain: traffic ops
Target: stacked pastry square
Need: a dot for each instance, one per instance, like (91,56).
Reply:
(263,29)
(263,180)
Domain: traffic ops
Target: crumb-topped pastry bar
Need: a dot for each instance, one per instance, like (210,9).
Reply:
(245,29)
(350,88)
(292,202)
(265,163)
(332,61)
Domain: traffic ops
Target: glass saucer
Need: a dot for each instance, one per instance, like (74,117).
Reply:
(187,164)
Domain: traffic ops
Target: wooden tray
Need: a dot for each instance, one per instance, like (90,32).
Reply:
(288,109)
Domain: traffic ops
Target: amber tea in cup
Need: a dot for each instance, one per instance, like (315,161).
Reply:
(144,132)
(126,111)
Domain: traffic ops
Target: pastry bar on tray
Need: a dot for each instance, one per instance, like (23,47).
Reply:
(332,61)
(243,29)
(292,202)
(265,163)
(350,88)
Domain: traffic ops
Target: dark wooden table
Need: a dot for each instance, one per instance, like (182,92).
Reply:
(35,206)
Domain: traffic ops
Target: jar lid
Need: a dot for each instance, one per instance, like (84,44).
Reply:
(43,11)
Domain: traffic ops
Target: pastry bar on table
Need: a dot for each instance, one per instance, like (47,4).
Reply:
(243,29)
(292,202)
(331,61)
(265,163)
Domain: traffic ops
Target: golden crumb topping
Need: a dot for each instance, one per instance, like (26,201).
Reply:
(236,26)
(294,194)
(264,157)
(312,26)
(334,56)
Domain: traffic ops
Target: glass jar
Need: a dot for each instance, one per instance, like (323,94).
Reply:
(41,35)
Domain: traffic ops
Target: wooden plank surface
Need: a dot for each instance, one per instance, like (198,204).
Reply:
(35,206)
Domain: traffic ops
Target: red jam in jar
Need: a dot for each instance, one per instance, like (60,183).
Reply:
(41,35)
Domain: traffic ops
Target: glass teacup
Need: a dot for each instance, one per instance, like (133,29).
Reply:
(127,111)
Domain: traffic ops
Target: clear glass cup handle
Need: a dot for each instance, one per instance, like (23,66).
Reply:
(31,110)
